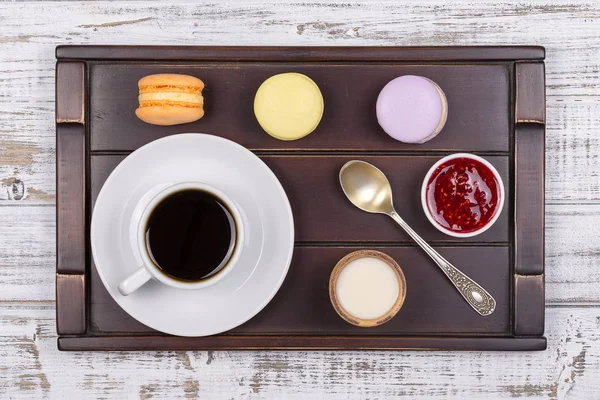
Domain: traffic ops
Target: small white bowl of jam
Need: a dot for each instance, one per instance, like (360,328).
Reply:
(462,195)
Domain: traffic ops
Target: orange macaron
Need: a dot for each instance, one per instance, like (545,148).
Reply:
(170,99)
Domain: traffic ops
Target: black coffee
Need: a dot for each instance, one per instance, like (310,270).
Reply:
(191,235)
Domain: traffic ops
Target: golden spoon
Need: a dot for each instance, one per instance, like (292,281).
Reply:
(369,189)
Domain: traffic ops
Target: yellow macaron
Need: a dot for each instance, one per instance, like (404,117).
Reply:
(170,99)
(288,106)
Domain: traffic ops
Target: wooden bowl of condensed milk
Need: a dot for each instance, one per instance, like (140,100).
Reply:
(367,288)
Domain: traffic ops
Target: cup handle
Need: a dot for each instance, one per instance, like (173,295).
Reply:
(134,281)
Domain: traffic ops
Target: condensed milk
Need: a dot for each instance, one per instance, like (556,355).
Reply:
(367,288)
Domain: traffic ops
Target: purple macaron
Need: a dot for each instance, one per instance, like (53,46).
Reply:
(412,109)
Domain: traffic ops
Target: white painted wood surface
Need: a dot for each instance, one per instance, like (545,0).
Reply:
(30,365)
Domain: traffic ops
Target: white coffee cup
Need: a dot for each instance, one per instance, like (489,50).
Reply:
(148,269)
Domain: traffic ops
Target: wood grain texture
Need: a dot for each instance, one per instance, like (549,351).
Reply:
(70,304)
(529,302)
(33,367)
(529,189)
(302,305)
(284,53)
(71,199)
(478,96)
(36,369)
(28,248)
(70,77)
(295,342)
(323,213)
(530,93)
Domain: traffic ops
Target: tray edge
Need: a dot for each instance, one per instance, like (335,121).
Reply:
(296,54)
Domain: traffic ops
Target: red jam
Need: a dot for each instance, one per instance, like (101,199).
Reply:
(462,195)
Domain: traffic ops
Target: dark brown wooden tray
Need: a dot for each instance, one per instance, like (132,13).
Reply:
(496,99)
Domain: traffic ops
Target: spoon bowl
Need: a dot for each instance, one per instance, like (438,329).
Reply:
(366,187)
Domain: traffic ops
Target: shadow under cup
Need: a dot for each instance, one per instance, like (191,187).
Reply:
(191,235)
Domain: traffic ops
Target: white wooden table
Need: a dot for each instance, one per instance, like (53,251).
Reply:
(32,367)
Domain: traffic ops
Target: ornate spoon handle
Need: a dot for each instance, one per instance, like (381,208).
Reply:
(473,293)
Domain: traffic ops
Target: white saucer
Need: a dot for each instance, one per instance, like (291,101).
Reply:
(266,252)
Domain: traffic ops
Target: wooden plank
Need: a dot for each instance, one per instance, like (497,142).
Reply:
(70,304)
(529,199)
(70,78)
(27,253)
(530,94)
(529,305)
(27,159)
(323,213)
(478,100)
(266,53)
(302,305)
(571,137)
(108,343)
(70,168)
(33,368)
(70,202)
